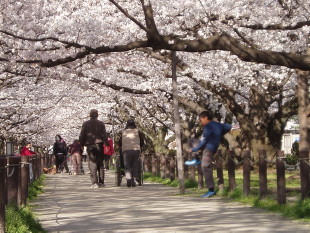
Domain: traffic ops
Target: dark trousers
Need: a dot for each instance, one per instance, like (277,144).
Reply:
(207,168)
(95,163)
(61,162)
(107,161)
(131,160)
(58,161)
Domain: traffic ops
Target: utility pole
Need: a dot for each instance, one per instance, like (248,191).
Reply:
(177,123)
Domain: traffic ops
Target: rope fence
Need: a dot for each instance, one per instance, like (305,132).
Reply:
(16,174)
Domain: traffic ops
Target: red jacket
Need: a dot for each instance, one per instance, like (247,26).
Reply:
(26,152)
(109,150)
(76,148)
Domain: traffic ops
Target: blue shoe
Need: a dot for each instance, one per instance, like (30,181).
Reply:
(209,194)
(193,162)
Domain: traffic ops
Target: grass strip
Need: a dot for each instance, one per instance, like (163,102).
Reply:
(298,209)
(22,219)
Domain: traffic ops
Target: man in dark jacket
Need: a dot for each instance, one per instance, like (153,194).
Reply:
(93,135)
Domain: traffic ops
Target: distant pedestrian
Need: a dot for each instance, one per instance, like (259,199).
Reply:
(76,157)
(131,143)
(108,151)
(60,150)
(211,139)
(26,150)
(93,135)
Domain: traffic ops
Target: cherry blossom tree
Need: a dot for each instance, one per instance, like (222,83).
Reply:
(75,43)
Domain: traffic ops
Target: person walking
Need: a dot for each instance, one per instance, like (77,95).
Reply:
(108,151)
(211,139)
(76,157)
(131,142)
(93,135)
(60,150)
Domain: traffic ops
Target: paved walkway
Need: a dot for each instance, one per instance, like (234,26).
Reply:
(69,205)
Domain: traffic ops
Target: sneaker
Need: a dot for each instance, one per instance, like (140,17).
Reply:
(94,186)
(193,162)
(209,194)
(133,183)
(129,183)
(101,185)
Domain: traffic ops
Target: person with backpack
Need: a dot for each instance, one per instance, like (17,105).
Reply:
(131,142)
(211,139)
(60,150)
(93,135)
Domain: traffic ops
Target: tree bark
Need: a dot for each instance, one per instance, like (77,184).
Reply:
(304,130)
(177,125)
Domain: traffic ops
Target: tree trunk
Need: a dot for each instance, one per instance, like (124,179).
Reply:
(177,124)
(304,131)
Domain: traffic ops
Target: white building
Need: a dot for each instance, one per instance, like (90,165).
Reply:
(291,135)
(288,138)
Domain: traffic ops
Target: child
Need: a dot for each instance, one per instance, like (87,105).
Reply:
(211,139)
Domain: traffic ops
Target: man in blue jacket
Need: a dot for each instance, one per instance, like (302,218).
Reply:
(211,139)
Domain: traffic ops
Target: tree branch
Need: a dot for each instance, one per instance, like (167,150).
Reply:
(125,12)
(120,88)
(278,26)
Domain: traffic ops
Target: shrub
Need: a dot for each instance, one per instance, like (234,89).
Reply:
(21,219)
(190,184)
(295,149)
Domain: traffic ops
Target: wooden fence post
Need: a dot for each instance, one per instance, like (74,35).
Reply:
(172,168)
(39,170)
(281,189)
(162,166)
(3,193)
(149,159)
(24,179)
(200,177)
(167,166)
(153,165)
(157,165)
(246,172)
(192,173)
(49,161)
(231,170)
(186,168)
(146,163)
(34,166)
(304,174)
(42,162)
(262,163)
(13,180)
(219,170)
